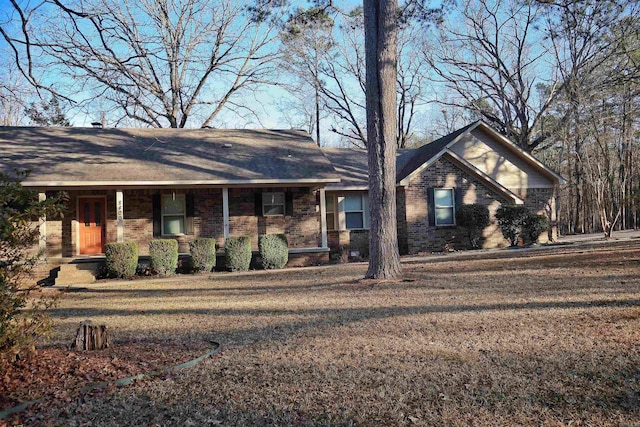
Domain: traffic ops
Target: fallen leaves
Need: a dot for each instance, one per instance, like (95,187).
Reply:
(58,375)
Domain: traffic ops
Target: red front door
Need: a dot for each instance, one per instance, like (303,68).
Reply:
(92,229)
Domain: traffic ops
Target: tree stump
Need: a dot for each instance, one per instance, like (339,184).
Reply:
(91,337)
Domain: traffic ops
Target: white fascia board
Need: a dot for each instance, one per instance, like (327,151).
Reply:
(519,151)
(178,184)
(405,182)
(347,188)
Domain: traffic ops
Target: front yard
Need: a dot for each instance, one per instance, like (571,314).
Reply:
(526,338)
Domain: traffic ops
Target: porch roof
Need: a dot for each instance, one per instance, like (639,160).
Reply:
(89,157)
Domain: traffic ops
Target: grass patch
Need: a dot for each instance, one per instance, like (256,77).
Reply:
(550,338)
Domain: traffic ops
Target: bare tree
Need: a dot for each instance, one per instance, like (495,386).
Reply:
(325,51)
(14,29)
(307,42)
(344,80)
(590,41)
(490,58)
(162,63)
(14,93)
(381,23)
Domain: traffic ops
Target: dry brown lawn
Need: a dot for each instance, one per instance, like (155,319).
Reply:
(505,338)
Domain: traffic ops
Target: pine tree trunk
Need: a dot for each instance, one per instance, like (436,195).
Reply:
(91,337)
(380,24)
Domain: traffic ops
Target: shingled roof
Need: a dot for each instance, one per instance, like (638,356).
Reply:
(426,152)
(77,157)
(351,164)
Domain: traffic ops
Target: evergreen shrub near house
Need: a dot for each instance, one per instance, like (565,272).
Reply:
(274,250)
(511,218)
(163,256)
(474,218)
(121,259)
(237,253)
(534,225)
(203,254)
(23,310)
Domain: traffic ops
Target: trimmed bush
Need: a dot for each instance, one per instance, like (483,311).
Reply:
(511,218)
(121,259)
(474,218)
(534,225)
(237,253)
(274,250)
(163,256)
(203,254)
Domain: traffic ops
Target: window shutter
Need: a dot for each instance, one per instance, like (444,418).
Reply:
(431,204)
(190,211)
(365,211)
(457,197)
(288,203)
(157,212)
(258,203)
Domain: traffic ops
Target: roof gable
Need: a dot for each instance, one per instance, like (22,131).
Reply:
(429,153)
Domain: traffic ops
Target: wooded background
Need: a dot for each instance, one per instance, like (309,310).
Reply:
(558,77)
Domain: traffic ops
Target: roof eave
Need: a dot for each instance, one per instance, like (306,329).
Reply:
(62,185)
(557,178)
(485,178)
(405,180)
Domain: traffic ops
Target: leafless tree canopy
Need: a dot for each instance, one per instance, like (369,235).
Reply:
(328,55)
(162,63)
(494,61)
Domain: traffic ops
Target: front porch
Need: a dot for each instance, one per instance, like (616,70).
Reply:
(103,215)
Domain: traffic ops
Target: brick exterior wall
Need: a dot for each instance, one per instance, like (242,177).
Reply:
(421,237)
(348,240)
(302,228)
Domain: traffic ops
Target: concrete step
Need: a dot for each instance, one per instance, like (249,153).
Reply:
(77,274)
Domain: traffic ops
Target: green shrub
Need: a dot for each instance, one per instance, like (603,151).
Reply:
(203,254)
(534,225)
(163,256)
(23,310)
(274,250)
(237,253)
(474,218)
(121,259)
(511,218)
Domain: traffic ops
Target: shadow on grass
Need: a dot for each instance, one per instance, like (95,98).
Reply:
(355,314)
(414,279)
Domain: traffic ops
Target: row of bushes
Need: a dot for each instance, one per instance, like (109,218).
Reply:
(515,222)
(122,258)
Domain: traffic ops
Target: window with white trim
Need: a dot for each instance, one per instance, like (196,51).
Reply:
(444,206)
(173,214)
(354,211)
(272,204)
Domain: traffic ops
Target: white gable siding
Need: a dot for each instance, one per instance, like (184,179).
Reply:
(500,163)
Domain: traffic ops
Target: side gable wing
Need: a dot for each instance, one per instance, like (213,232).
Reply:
(519,161)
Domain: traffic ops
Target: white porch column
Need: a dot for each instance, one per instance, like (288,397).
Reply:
(225,211)
(323,218)
(42,229)
(119,216)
